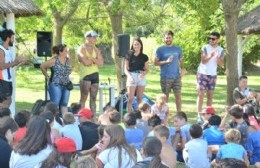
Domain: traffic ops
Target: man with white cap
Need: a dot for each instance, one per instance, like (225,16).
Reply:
(90,58)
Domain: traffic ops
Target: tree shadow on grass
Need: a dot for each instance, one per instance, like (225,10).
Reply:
(23,106)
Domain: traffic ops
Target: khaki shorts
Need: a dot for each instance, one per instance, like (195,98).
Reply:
(168,84)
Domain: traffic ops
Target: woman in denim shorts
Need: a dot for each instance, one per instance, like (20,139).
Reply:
(60,70)
(136,67)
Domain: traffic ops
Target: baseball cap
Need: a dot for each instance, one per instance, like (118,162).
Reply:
(91,33)
(85,112)
(65,145)
(208,110)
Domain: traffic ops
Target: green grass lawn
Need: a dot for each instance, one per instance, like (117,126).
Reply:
(30,87)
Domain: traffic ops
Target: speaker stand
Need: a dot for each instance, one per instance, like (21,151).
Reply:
(122,93)
(46,86)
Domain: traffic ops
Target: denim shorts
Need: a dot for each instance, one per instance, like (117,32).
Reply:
(137,81)
(59,95)
(206,82)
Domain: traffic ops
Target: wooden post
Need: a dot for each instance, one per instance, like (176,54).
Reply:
(10,24)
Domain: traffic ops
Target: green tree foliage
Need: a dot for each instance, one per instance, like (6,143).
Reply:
(251,52)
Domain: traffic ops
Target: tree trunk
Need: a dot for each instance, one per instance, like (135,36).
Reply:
(105,50)
(58,33)
(231,11)
(117,28)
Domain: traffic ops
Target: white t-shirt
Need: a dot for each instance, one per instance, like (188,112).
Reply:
(195,154)
(210,68)
(56,125)
(72,131)
(160,113)
(26,161)
(6,74)
(109,158)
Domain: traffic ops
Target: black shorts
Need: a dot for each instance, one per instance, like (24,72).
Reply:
(93,78)
(6,89)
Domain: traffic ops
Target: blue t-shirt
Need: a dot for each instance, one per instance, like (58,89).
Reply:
(134,137)
(214,136)
(170,70)
(172,133)
(185,132)
(253,146)
(231,150)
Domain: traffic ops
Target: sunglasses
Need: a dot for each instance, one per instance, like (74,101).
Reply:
(213,39)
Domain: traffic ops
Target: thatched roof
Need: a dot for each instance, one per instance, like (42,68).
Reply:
(250,22)
(19,8)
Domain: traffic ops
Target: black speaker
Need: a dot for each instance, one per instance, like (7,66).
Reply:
(44,43)
(123,44)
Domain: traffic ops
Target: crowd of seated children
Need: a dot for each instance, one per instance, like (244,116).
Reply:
(113,146)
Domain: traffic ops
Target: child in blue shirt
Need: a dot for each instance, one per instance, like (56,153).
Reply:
(253,146)
(133,135)
(232,149)
(196,153)
(182,134)
(212,134)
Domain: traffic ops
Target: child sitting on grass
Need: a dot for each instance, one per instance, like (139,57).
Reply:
(182,134)
(168,154)
(161,108)
(195,153)
(232,149)
(109,117)
(238,122)
(145,110)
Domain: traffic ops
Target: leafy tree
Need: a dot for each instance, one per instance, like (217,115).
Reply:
(62,10)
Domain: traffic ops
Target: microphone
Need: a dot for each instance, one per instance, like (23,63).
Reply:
(132,51)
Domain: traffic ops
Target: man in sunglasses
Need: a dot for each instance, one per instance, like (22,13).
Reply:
(212,56)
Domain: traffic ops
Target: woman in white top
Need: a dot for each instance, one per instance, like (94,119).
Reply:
(34,147)
(118,153)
